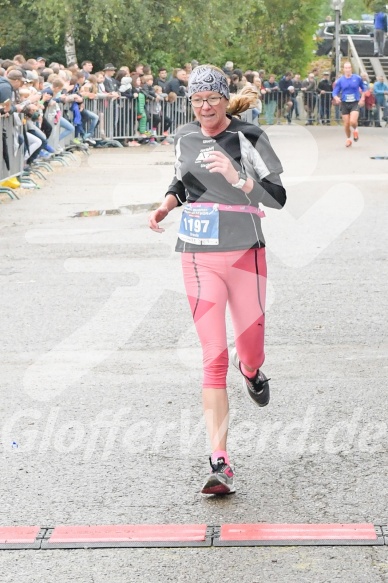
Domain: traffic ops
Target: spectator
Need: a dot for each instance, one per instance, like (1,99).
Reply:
(126,69)
(87,68)
(119,76)
(140,109)
(147,87)
(60,97)
(162,79)
(364,114)
(55,67)
(139,69)
(126,87)
(87,117)
(89,89)
(337,107)
(100,77)
(309,89)
(46,73)
(33,63)
(255,102)
(40,63)
(158,114)
(228,68)
(380,30)
(73,67)
(7,63)
(284,97)
(19,60)
(325,97)
(126,109)
(372,117)
(7,89)
(297,85)
(110,83)
(188,68)
(270,99)
(380,91)
(177,83)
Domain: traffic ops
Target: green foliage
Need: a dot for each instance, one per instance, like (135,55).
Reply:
(272,34)
(353,9)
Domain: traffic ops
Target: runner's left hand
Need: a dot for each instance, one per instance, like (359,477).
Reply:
(218,162)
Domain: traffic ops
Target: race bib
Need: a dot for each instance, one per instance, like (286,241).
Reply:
(350,97)
(200,225)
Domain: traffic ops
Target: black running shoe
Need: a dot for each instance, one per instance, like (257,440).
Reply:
(257,387)
(220,480)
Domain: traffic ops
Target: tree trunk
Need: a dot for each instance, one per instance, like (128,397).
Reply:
(71,56)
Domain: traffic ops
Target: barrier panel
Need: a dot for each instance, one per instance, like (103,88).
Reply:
(54,118)
(120,119)
(11,146)
(308,106)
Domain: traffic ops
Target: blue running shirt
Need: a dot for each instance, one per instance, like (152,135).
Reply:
(349,87)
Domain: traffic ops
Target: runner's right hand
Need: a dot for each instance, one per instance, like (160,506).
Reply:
(156,217)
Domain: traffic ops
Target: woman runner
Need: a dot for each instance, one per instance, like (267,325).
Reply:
(225,168)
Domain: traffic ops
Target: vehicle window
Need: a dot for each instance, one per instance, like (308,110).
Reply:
(330,29)
(350,28)
(364,30)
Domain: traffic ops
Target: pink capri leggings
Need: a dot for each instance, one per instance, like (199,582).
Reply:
(213,280)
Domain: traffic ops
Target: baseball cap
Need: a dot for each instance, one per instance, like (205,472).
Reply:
(326,73)
(109,67)
(31,76)
(40,59)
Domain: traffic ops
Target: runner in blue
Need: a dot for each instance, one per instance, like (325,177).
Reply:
(352,91)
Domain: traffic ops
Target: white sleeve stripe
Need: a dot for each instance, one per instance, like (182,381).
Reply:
(250,157)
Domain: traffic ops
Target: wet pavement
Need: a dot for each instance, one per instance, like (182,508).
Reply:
(100,369)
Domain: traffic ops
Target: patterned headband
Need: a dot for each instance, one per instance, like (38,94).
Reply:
(205,78)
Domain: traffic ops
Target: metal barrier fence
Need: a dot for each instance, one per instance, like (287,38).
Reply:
(52,116)
(120,119)
(313,108)
(11,147)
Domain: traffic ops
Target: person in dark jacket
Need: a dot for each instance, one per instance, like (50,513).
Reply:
(162,79)
(325,97)
(177,84)
(284,97)
(5,90)
(309,88)
(111,85)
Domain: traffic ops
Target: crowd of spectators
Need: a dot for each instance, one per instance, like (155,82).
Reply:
(30,86)
(280,100)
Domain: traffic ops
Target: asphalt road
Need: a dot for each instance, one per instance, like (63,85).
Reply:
(100,369)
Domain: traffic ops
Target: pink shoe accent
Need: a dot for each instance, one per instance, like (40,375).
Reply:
(220,453)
